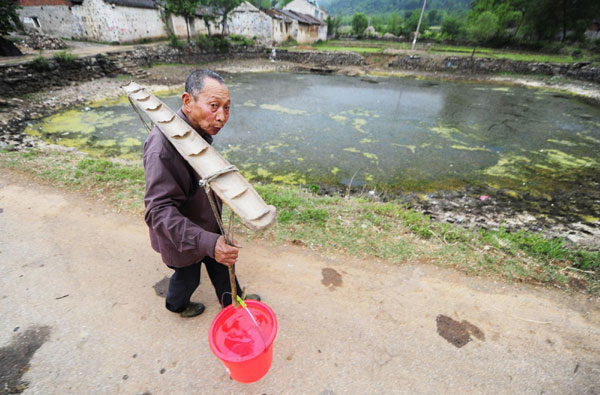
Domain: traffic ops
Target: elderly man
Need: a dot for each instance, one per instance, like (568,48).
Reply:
(183,227)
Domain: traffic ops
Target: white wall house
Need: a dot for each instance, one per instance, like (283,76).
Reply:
(123,21)
(96,20)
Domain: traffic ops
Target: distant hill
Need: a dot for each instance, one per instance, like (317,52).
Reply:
(370,7)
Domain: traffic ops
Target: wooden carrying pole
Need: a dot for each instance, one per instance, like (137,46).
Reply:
(216,172)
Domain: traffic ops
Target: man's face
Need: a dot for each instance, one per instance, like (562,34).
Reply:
(209,111)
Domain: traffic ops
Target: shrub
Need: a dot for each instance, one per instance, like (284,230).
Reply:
(289,42)
(485,28)
(241,40)
(64,57)
(203,41)
(40,63)
(451,27)
(175,42)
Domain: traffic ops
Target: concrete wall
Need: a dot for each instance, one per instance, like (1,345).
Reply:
(98,21)
(323,32)
(249,21)
(124,24)
(307,34)
(282,30)
(54,20)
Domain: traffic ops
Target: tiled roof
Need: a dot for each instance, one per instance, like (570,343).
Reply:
(277,14)
(302,18)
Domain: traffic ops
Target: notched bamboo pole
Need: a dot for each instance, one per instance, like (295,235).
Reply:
(233,189)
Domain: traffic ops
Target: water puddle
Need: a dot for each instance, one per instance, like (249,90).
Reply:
(457,333)
(15,357)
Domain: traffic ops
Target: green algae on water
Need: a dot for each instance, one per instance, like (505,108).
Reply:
(279,108)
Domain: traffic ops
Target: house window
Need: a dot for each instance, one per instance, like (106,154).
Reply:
(316,13)
(32,21)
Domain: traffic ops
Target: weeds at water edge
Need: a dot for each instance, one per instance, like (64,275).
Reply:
(353,226)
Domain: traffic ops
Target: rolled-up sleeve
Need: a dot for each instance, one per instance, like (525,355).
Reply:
(165,193)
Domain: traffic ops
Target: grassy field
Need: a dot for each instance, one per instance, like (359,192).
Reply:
(375,46)
(355,226)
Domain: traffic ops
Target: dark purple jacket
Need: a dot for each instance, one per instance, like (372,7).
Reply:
(183,228)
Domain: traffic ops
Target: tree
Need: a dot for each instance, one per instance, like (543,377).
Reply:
(359,23)
(332,25)
(451,27)
(184,8)
(394,25)
(434,17)
(261,4)
(9,18)
(545,18)
(283,3)
(485,27)
(9,21)
(410,23)
(226,6)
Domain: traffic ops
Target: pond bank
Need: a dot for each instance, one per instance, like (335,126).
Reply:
(464,208)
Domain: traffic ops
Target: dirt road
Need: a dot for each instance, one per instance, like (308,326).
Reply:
(80,303)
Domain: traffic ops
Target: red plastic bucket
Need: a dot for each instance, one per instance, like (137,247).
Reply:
(235,340)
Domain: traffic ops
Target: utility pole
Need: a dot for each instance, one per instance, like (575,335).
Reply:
(418,26)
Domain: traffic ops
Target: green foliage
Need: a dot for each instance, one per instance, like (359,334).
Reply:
(394,24)
(451,28)
(184,8)
(533,20)
(283,3)
(225,6)
(175,42)
(372,7)
(548,249)
(434,17)
(359,23)
(241,40)
(290,42)
(261,4)
(39,63)
(333,25)
(353,226)
(485,27)
(9,18)
(64,57)
(411,23)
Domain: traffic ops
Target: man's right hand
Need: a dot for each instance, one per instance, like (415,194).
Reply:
(224,253)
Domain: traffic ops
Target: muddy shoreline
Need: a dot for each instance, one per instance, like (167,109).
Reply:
(475,207)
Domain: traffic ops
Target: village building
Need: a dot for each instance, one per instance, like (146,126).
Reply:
(281,25)
(122,21)
(248,21)
(307,7)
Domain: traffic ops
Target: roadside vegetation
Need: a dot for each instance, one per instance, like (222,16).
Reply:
(533,30)
(355,226)
(366,47)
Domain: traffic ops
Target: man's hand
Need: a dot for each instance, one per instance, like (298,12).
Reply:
(224,253)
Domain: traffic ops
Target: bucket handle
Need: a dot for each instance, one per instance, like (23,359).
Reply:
(241,302)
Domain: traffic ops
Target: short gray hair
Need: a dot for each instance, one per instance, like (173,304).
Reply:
(195,81)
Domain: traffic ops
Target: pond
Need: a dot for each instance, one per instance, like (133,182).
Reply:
(383,133)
